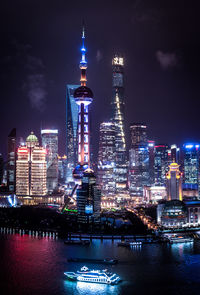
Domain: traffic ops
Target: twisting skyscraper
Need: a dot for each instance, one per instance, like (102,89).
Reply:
(118,120)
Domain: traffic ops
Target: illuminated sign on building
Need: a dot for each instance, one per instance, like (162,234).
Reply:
(118,61)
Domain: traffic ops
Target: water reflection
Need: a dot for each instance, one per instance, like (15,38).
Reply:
(37,265)
(84,288)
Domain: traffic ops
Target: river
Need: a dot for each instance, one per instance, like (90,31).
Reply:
(32,265)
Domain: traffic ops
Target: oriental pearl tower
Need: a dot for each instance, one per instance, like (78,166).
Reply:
(83,97)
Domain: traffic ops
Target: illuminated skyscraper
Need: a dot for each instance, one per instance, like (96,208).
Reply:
(88,193)
(151,148)
(138,160)
(88,199)
(191,153)
(50,143)
(118,119)
(106,159)
(71,136)
(175,153)
(161,163)
(31,169)
(174,183)
(11,165)
(1,168)
(83,97)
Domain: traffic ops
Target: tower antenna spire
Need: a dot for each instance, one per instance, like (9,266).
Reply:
(83,29)
(83,62)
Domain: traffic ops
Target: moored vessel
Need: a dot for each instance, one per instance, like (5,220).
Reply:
(101,261)
(180,239)
(77,242)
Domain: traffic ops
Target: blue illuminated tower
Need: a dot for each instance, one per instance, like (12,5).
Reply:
(83,97)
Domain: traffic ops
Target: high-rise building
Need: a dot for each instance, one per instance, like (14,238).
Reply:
(118,119)
(50,143)
(88,193)
(174,183)
(71,128)
(11,161)
(31,169)
(106,159)
(138,160)
(62,166)
(191,153)
(88,199)
(161,162)
(1,168)
(175,153)
(151,148)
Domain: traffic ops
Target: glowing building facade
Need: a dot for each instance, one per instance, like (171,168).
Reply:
(11,164)
(62,167)
(106,159)
(31,169)
(50,143)
(88,199)
(118,119)
(191,154)
(161,162)
(174,183)
(151,148)
(138,160)
(72,111)
(1,168)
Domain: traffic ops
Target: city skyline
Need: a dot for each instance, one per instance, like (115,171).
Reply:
(169,70)
(100,147)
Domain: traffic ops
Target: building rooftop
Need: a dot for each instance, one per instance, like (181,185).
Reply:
(32,138)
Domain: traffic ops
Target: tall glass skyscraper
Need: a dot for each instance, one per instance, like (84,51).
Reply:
(71,136)
(118,119)
(191,153)
(106,159)
(161,162)
(11,166)
(138,160)
(151,148)
(50,143)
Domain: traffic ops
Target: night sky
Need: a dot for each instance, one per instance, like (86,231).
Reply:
(40,54)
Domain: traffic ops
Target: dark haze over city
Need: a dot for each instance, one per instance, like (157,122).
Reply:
(40,54)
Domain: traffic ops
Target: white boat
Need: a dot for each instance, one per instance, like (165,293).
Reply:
(135,243)
(93,276)
(180,239)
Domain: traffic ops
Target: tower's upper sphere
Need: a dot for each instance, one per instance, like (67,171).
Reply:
(84,95)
